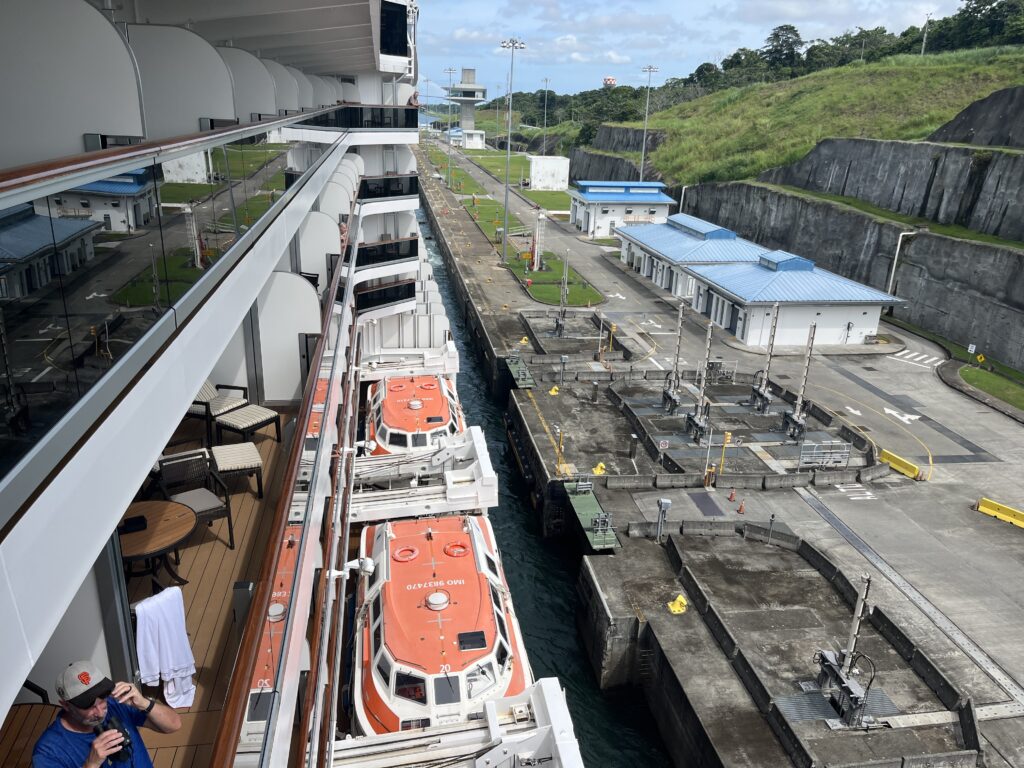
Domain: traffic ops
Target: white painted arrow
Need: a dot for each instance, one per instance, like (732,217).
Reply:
(906,418)
(617,296)
(854,411)
(95,295)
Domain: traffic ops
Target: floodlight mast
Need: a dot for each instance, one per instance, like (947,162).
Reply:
(650,69)
(513,44)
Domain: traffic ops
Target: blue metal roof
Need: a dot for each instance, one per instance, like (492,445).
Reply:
(109,187)
(623,197)
(24,234)
(757,284)
(699,227)
(680,247)
(642,184)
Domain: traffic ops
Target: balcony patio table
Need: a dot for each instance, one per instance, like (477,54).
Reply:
(168,525)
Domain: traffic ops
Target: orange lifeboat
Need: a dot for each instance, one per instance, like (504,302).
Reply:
(409,413)
(435,633)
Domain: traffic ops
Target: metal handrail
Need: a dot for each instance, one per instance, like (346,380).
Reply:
(225,745)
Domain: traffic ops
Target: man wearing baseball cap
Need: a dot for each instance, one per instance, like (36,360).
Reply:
(99,723)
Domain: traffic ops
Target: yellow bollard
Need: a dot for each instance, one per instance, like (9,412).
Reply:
(678,605)
(553,391)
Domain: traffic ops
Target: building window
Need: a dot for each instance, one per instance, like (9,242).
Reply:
(652,211)
(629,211)
(84,203)
(115,203)
(604,210)
(58,201)
(394,33)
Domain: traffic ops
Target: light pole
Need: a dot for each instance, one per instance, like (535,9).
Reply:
(650,69)
(449,71)
(544,131)
(924,40)
(512,44)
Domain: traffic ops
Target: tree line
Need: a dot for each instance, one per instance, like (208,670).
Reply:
(784,55)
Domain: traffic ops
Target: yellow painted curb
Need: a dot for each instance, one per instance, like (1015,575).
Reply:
(901,465)
(1001,511)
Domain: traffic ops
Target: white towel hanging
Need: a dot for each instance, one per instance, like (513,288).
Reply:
(163,646)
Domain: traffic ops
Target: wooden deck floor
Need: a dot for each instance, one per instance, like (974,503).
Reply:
(212,570)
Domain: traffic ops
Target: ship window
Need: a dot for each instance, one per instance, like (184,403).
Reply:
(492,565)
(399,439)
(419,440)
(422,722)
(480,679)
(376,604)
(376,640)
(374,577)
(451,428)
(446,689)
(501,655)
(382,434)
(435,419)
(495,598)
(501,625)
(384,669)
(411,687)
(472,641)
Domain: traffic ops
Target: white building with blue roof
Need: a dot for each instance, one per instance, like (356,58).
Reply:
(739,297)
(35,249)
(662,252)
(121,203)
(601,207)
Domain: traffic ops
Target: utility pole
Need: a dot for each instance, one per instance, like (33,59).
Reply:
(679,350)
(513,44)
(449,71)
(544,131)
(696,423)
(794,423)
(762,395)
(649,69)
(924,39)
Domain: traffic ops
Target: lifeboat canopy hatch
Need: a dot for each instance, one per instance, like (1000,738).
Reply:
(437,601)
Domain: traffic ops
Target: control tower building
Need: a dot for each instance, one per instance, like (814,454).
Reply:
(467,93)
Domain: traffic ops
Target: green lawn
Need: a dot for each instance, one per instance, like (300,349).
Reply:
(950,230)
(250,210)
(547,284)
(548,200)
(494,163)
(275,182)
(182,192)
(244,159)
(995,385)
(462,182)
(490,215)
(179,277)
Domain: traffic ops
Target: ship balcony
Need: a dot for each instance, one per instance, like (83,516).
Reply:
(390,186)
(384,252)
(366,117)
(381,300)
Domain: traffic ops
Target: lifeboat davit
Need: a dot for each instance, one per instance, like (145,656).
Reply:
(409,413)
(435,632)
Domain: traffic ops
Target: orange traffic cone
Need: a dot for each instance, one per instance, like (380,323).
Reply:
(742,507)
(732,494)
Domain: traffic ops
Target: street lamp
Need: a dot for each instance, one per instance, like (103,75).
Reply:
(544,132)
(449,71)
(924,39)
(512,44)
(650,69)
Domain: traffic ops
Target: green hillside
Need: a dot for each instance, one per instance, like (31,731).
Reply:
(736,134)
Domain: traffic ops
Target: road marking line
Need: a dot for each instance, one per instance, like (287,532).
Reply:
(45,371)
(931,360)
(904,352)
(657,364)
(908,362)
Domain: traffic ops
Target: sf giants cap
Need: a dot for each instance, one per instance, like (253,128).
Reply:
(81,684)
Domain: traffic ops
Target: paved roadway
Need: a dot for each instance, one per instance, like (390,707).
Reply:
(964,563)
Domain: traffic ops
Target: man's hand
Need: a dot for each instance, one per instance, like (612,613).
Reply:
(126,693)
(103,746)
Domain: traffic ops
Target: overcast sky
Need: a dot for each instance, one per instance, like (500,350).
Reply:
(576,43)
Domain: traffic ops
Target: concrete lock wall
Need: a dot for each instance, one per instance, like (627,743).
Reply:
(722,634)
(798,751)
(780,538)
(926,669)
(967,291)
(888,629)
(694,590)
(817,560)
(610,641)
(752,682)
(962,759)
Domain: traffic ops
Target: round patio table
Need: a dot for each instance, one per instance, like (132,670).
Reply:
(168,525)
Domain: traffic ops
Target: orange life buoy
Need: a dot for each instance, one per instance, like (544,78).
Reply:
(456,549)
(428,385)
(405,554)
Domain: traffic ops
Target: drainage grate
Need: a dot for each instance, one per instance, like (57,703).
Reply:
(867,368)
(812,705)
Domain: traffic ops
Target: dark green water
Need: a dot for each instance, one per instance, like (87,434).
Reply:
(613,730)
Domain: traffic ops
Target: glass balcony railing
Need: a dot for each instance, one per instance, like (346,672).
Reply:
(384,295)
(362,116)
(379,253)
(382,187)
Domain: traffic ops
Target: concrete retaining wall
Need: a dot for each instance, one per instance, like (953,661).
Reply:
(693,588)
(678,480)
(845,588)
(674,553)
(969,725)
(817,560)
(798,752)
(720,632)
(740,480)
(707,528)
(936,680)
(752,682)
(888,629)
(867,474)
(629,482)
(792,480)
(610,641)
(964,759)
(780,538)
(823,477)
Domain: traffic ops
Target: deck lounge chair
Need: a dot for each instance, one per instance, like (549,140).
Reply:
(188,479)
(211,402)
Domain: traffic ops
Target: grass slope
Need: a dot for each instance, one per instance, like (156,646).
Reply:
(738,133)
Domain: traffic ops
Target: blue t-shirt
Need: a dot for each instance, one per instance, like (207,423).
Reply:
(60,748)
